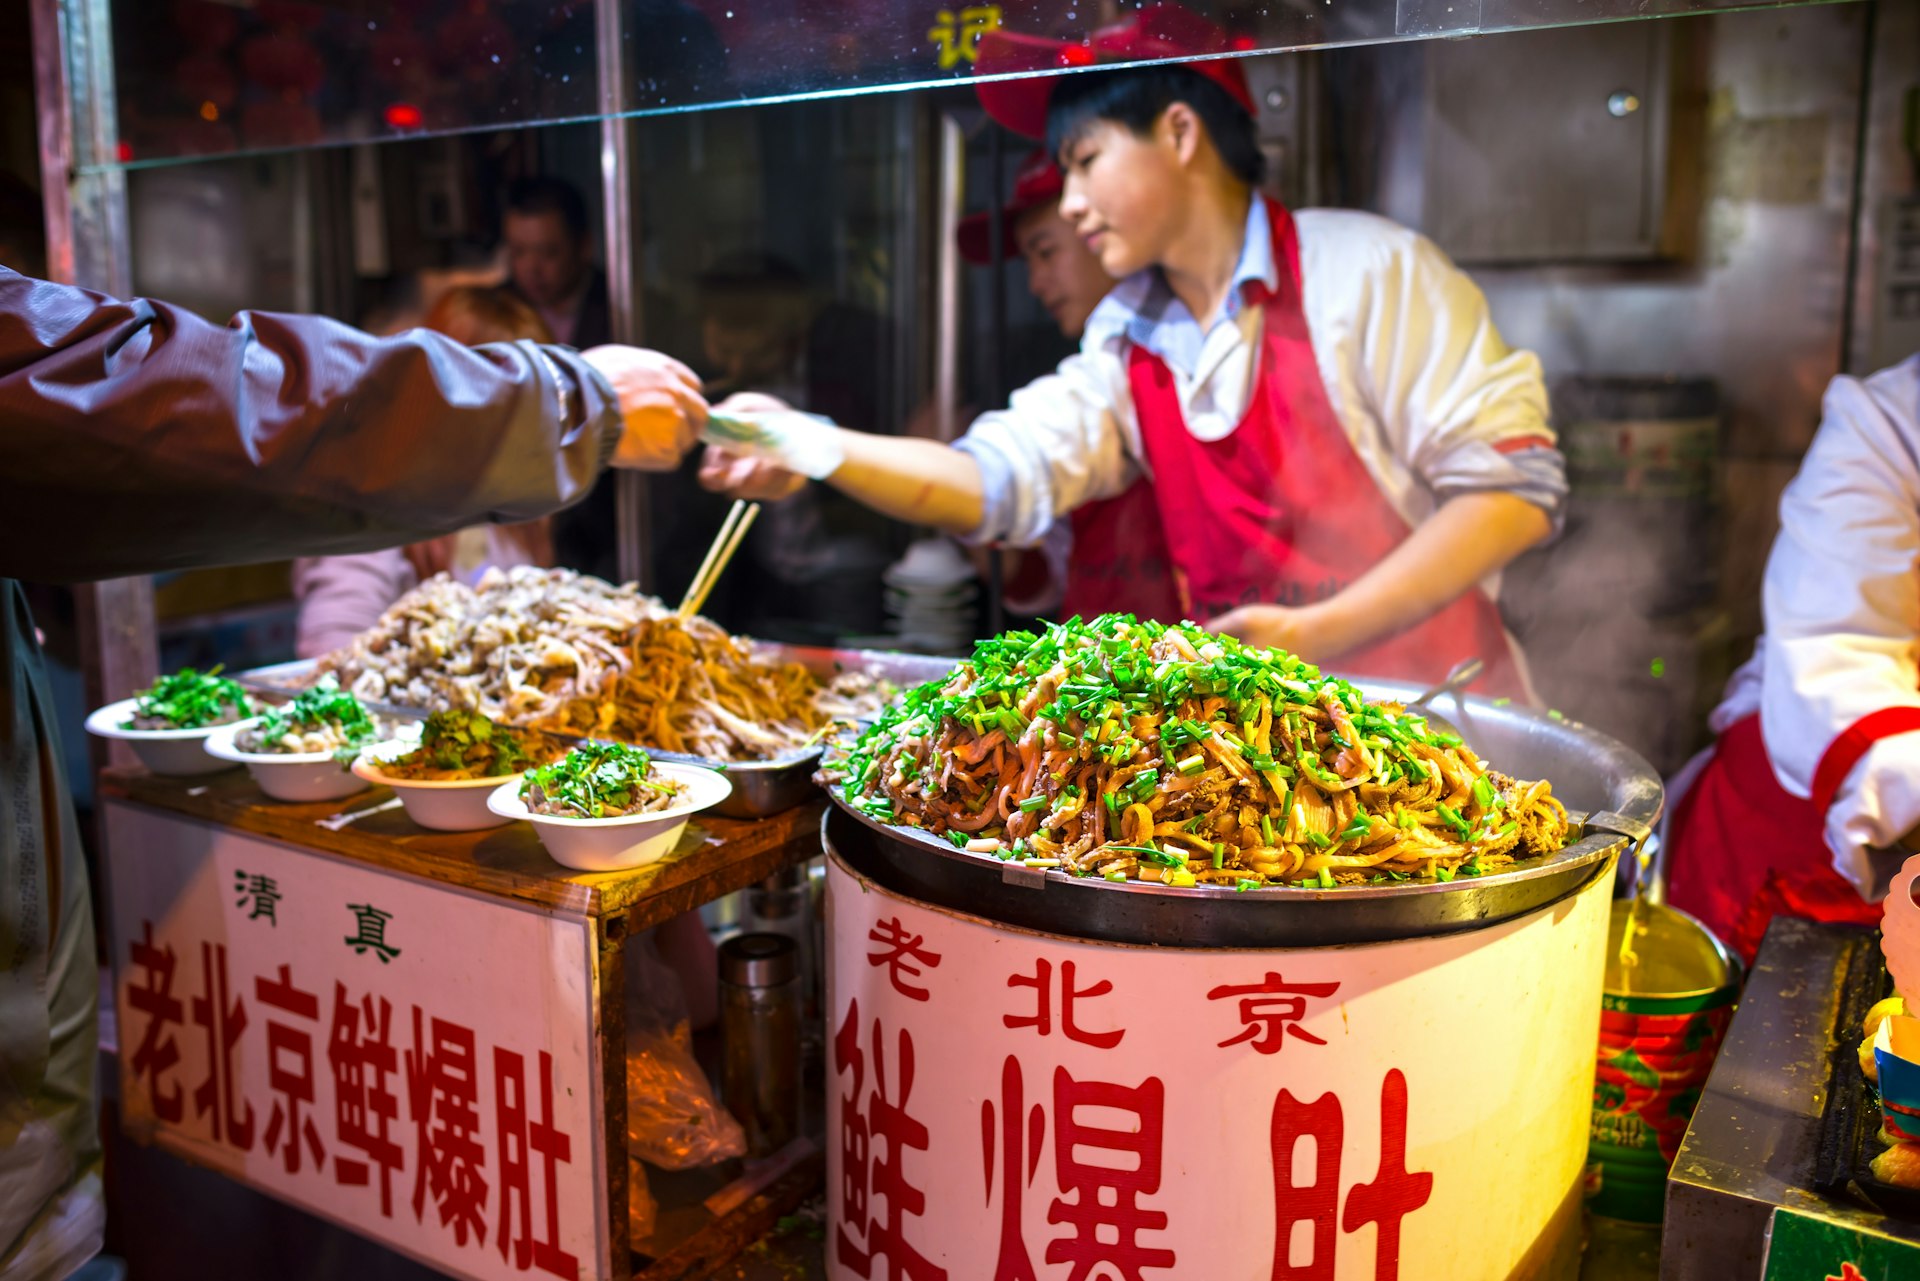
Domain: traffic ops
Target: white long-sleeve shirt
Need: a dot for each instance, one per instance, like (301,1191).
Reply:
(1434,402)
(1842,610)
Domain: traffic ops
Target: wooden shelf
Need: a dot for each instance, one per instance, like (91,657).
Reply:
(717,856)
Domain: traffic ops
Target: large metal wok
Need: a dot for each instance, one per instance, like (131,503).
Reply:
(1600,779)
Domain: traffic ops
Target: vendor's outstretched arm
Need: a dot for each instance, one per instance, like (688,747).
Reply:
(1469,537)
(922,482)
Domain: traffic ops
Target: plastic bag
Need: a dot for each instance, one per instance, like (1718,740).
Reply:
(673,1119)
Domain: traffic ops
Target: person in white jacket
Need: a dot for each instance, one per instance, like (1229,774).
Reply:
(1344,453)
(1810,799)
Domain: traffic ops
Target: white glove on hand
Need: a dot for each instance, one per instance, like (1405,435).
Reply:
(761,427)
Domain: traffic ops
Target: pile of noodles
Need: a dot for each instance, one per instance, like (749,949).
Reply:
(1140,751)
(554,650)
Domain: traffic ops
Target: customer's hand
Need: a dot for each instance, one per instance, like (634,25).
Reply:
(660,403)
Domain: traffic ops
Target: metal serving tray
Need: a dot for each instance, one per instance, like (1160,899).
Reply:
(1589,772)
(760,788)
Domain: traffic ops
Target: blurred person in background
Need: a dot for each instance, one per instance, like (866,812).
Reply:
(342,596)
(550,260)
(1810,800)
(137,437)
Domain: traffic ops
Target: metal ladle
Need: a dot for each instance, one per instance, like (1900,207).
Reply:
(1459,676)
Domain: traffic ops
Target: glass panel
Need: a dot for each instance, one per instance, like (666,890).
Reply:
(212,77)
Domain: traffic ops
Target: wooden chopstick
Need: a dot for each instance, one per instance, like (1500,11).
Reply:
(713,554)
(728,541)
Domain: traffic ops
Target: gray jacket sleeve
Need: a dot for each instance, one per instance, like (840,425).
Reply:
(136,436)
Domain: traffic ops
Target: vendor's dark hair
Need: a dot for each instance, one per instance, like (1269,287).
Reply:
(545,194)
(1134,97)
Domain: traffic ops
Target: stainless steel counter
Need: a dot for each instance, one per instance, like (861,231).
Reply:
(1754,1137)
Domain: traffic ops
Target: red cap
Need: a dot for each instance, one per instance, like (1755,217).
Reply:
(1036,184)
(1158,32)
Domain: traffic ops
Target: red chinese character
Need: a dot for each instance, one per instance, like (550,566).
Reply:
(1275,1017)
(1317,1202)
(152,995)
(1041,982)
(1394,1193)
(224,1022)
(443,1093)
(516,1139)
(884,1175)
(294,1084)
(1021,1134)
(360,1052)
(902,948)
(1107,1198)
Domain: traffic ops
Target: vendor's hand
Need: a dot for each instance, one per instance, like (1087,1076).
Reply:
(1307,631)
(756,426)
(752,478)
(661,407)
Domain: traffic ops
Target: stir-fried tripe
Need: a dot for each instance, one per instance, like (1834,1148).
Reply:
(1138,751)
(566,652)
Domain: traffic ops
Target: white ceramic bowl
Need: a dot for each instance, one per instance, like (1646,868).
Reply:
(457,805)
(616,844)
(288,776)
(180,753)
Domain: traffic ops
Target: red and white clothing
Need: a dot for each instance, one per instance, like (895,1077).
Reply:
(1832,692)
(1390,343)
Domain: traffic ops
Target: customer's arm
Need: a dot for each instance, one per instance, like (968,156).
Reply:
(136,436)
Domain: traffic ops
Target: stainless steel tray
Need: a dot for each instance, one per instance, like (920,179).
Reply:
(760,788)
(1589,772)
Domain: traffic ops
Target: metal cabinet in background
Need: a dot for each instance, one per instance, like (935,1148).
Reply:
(1551,146)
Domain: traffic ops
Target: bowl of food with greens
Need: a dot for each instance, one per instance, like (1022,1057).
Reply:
(445,773)
(168,723)
(301,751)
(606,807)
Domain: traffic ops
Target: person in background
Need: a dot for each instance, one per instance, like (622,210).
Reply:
(1107,557)
(1810,800)
(137,437)
(342,596)
(550,260)
(1345,454)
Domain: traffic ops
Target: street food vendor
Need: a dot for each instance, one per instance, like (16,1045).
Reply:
(1090,564)
(1344,452)
(136,436)
(1810,799)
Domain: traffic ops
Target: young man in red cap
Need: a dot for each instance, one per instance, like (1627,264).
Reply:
(1090,564)
(1344,452)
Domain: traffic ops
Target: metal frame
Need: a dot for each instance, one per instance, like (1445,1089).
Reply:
(86,216)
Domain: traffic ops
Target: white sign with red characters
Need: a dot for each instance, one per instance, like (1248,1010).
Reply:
(1011,1106)
(414,1062)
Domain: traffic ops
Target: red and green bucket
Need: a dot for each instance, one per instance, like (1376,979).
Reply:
(1668,998)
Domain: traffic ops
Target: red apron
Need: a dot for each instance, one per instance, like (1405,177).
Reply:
(1745,850)
(1282,511)
(1119,563)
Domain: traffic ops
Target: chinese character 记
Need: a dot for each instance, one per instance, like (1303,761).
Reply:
(290,1070)
(958,37)
(1272,1010)
(902,949)
(223,1021)
(1019,1135)
(261,892)
(152,995)
(372,932)
(1041,981)
(1105,1216)
(360,1052)
(443,1093)
(520,1137)
(883,1121)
